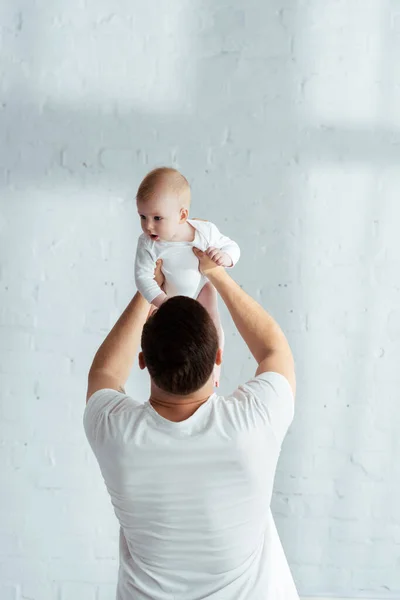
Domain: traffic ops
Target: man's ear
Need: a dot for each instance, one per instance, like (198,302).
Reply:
(142,364)
(184,215)
(218,358)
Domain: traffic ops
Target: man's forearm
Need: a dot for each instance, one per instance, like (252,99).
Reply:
(259,330)
(118,351)
(160,299)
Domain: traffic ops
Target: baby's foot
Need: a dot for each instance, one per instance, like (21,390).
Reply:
(217,375)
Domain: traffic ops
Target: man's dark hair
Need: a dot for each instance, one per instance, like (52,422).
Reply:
(179,345)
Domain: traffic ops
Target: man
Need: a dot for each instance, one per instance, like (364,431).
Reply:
(190,473)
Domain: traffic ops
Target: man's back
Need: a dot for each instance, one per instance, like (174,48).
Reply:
(193,497)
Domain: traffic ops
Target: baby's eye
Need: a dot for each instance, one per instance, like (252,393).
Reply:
(142,217)
(158,218)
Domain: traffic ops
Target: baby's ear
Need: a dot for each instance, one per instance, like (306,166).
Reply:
(184,214)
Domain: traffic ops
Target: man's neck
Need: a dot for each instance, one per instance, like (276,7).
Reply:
(179,408)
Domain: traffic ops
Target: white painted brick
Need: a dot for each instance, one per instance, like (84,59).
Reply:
(106,547)
(106,592)
(10,544)
(23,570)
(350,508)
(85,591)
(356,554)
(40,591)
(377,580)
(291,485)
(34,363)
(13,339)
(284,118)
(9,592)
(321,577)
(94,572)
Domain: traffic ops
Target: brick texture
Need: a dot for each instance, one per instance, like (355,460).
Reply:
(284,117)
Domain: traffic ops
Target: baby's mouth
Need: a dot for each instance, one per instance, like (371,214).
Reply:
(154,236)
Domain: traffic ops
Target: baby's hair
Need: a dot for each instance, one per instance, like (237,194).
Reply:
(164,177)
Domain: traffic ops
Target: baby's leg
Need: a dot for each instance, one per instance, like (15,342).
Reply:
(209,299)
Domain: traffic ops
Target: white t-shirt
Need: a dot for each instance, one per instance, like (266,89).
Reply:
(193,498)
(180,264)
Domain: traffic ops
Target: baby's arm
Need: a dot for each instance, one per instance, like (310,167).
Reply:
(144,276)
(224,251)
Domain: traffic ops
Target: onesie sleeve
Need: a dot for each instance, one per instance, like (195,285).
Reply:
(224,243)
(144,272)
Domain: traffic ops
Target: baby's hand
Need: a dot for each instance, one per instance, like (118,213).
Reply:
(220,258)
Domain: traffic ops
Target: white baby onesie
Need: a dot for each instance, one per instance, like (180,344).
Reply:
(180,264)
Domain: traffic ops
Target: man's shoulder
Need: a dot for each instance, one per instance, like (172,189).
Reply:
(105,404)
(267,381)
(268,395)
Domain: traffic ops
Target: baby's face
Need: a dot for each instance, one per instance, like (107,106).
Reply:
(160,216)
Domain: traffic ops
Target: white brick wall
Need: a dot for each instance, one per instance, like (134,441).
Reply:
(285,118)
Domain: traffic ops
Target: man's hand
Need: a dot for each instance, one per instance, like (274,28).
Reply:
(158,274)
(206,264)
(159,279)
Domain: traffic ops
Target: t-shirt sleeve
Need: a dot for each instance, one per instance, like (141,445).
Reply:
(104,416)
(224,243)
(271,395)
(144,272)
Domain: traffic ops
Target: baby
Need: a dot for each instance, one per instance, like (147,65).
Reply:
(163,202)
